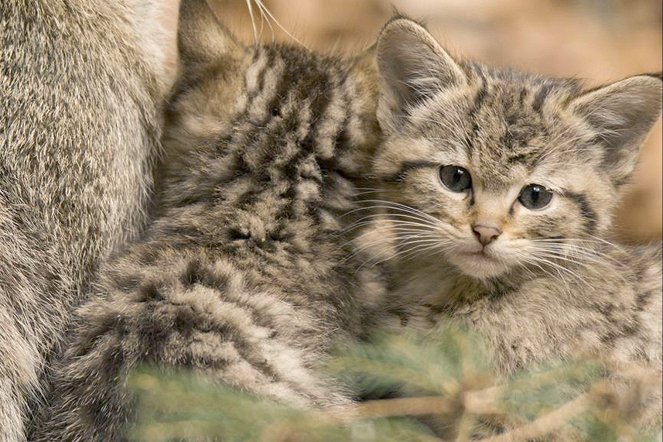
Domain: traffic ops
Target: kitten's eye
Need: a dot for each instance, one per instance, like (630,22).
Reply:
(535,196)
(455,178)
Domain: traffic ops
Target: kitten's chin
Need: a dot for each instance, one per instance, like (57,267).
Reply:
(478,265)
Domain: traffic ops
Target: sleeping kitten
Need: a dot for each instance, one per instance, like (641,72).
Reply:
(498,189)
(243,276)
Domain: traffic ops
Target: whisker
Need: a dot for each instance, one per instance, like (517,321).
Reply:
(576,249)
(405,254)
(559,267)
(397,217)
(271,17)
(249,4)
(406,208)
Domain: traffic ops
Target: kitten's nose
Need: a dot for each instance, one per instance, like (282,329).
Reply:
(486,234)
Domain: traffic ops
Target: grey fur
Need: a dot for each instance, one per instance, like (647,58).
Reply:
(242,277)
(80,83)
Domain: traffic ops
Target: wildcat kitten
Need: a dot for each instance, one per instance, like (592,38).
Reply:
(81,83)
(499,189)
(242,277)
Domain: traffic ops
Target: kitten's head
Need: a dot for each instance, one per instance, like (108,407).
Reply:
(268,113)
(500,168)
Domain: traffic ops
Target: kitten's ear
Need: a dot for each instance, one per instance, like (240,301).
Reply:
(413,67)
(202,39)
(622,114)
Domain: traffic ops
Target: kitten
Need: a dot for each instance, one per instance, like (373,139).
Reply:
(499,189)
(246,276)
(243,276)
(81,83)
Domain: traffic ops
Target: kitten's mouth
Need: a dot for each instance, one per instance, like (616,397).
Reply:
(479,263)
(482,258)
(481,254)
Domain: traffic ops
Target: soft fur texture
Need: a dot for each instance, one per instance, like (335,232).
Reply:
(243,277)
(280,194)
(550,284)
(80,86)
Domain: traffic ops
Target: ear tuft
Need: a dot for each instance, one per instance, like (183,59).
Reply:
(413,67)
(622,114)
(202,39)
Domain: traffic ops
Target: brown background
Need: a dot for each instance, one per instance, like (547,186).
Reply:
(599,40)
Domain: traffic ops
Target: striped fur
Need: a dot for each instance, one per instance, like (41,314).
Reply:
(243,277)
(247,276)
(552,283)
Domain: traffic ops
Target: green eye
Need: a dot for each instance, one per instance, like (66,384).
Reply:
(455,178)
(535,196)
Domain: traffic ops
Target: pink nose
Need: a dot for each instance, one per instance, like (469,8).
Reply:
(486,234)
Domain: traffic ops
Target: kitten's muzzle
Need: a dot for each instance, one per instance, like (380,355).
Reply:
(486,234)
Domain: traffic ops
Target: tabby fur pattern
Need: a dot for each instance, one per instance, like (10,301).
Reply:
(243,276)
(551,282)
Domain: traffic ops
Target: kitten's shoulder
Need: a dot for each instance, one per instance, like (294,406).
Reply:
(647,256)
(647,266)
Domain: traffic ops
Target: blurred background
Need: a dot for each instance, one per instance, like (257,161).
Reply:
(598,40)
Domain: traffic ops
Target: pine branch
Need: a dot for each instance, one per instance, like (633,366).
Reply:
(547,423)
(443,377)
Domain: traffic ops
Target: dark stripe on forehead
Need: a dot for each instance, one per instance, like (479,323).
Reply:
(256,57)
(521,97)
(480,97)
(406,167)
(279,94)
(541,96)
(520,158)
(320,85)
(481,94)
(320,94)
(342,140)
(586,210)
(319,90)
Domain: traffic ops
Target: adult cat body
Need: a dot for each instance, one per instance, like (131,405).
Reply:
(81,83)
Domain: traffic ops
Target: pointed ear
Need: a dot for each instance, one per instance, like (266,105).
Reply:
(202,39)
(413,67)
(622,114)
